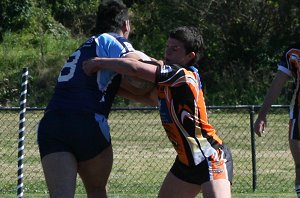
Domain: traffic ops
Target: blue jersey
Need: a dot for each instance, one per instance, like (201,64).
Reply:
(77,91)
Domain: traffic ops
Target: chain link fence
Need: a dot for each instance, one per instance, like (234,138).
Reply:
(143,154)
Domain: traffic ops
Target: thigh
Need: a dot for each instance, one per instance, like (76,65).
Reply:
(227,157)
(174,187)
(295,150)
(60,170)
(87,136)
(95,172)
(294,140)
(217,166)
(220,165)
(219,188)
(76,132)
(51,137)
(294,132)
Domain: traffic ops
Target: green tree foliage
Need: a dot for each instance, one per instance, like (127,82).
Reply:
(13,15)
(244,40)
(247,39)
(76,15)
(33,46)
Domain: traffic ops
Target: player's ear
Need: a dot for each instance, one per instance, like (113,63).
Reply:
(126,26)
(191,55)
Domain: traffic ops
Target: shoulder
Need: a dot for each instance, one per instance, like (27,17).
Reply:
(169,72)
(293,48)
(291,52)
(170,68)
(113,45)
(110,38)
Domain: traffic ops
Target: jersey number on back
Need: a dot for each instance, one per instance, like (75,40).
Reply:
(68,69)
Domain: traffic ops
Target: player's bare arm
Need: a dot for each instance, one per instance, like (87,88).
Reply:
(149,99)
(134,85)
(272,95)
(127,66)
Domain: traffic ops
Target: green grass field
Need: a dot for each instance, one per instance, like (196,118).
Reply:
(143,155)
(234,195)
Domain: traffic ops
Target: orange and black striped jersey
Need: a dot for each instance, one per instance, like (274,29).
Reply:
(183,114)
(289,64)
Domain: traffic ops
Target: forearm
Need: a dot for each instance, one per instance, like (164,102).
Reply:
(273,93)
(127,66)
(148,99)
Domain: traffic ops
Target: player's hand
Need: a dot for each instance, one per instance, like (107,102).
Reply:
(158,62)
(260,126)
(90,66)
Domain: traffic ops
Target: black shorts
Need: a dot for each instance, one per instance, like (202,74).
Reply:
(294,132)
(72,131)
(207,170)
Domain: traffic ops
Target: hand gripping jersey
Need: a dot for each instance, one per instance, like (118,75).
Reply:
(183,114)
(77,91)
(289,64)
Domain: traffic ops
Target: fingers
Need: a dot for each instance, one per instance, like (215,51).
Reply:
(259,127)
(87,68)
(258,133)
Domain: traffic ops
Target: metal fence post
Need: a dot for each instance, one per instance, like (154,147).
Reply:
(22,131)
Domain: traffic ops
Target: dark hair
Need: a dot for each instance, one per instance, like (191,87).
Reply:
(111,16)
(191,39)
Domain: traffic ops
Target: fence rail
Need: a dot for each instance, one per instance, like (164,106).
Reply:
(143,155)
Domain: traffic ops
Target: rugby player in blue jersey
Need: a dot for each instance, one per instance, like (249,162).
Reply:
(73,135)
(288,67)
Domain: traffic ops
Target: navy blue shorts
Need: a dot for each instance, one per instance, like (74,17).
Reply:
(207,170)
(73,131)
(294,133)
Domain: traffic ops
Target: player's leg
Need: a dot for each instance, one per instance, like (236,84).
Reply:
(213,176)
(221,173)
(295,150)
(59,165)
(95,172)
(220,188)
(174,187)
(60,170)
(294,142)
(94,154)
